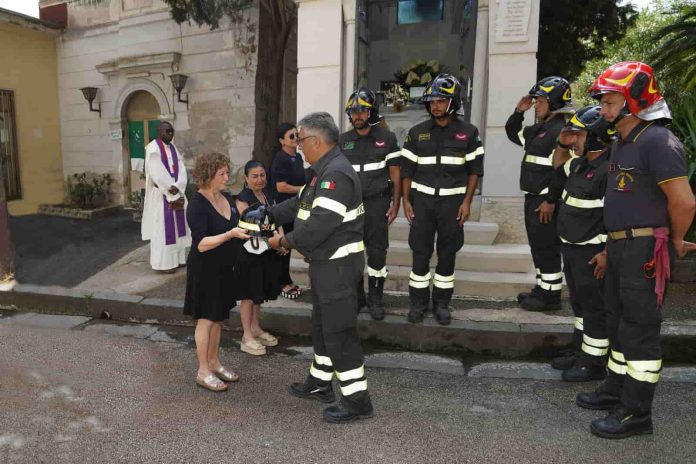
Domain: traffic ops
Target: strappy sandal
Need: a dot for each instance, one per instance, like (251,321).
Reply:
(252,347)
(212,383)
(226,375)
(292,293)
(267,339)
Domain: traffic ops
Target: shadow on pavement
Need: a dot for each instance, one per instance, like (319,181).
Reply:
(60,251)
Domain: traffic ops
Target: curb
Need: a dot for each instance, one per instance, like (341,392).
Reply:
(507,339)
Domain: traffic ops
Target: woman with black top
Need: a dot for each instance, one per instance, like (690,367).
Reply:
(212,217)
(288,177)
(257,276)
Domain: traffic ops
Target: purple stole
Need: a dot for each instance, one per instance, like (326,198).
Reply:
(172,217)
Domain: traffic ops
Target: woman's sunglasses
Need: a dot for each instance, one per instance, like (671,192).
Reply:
(293,136)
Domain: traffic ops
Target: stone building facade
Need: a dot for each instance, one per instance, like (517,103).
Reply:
(128,49)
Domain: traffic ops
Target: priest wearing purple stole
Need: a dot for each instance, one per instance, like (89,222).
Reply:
(164,220)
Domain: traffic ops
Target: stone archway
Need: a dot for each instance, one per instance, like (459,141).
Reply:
(142,114)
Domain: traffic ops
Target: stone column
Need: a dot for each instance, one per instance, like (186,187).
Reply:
(349,43)
(512,46)
(320,57)
(480,77)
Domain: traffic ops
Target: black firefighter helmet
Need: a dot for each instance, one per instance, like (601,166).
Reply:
(599,131)
(258,223)
(556,90)
(364,100)
(444,86)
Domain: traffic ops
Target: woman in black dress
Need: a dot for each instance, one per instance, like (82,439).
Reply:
(257,276)
(212,217)
(287,177)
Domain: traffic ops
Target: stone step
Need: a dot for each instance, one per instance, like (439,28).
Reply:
(509,258)
(475,233)
(467,283)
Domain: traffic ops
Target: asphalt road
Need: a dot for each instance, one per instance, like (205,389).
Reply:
(92,394)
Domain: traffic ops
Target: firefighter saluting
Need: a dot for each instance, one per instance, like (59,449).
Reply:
(648,208)
(328,229)
(442,160)
(551,98)
(374,154)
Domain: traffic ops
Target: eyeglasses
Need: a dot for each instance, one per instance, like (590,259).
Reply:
(293,136)
(302,139)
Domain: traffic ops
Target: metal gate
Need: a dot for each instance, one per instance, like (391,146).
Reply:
(9,153)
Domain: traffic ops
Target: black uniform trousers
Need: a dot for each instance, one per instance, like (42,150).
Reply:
(285,278)
(587,295)
(633,323)
(434,215)
(337,347)
(376,231)
(545,246)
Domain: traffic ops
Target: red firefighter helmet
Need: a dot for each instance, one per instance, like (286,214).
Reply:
(634,80)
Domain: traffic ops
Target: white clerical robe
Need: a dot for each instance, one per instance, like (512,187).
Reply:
(158,181)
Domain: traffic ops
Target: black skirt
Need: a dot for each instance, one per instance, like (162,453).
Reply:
(257,277)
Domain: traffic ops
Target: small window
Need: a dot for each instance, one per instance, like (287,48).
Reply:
(418,11)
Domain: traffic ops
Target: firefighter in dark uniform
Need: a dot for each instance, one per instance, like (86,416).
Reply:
(648,208)
(552,99)
(579,184)
(328,230)
(374,154)
(441,162)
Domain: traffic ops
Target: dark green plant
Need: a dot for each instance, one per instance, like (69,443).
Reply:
(87,190)
(676,52)
(573,32)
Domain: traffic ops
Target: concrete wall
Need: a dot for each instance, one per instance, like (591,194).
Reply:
(124,46)
(29,69)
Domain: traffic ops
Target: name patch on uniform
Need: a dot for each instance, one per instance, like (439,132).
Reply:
(313,182)
(349,145)
(328,185)
(425,136)
(380,143)
(460,136)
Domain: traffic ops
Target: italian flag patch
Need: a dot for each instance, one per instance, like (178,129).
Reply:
(328,185)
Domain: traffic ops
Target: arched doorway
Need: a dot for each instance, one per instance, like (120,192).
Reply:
(141,118)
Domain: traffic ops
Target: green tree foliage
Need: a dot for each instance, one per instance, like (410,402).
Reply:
(637,44)
(208,12)
(572,32)
(676,53)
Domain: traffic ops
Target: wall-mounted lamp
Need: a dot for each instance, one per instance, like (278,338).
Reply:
(90,93)
(179,82)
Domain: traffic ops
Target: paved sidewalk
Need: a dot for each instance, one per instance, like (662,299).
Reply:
(101,267)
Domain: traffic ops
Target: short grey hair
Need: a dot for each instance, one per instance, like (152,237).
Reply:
(321,124)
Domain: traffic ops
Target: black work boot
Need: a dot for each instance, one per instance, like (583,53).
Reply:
(443,313)
(536,291)
(584,372)
(313,389)
(602,398)
(547,301)
(565,360)
(416,314)
(622,423)
(337,414)
(375,292)
(362,299)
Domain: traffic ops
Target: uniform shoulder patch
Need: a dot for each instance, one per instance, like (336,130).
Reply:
(349,145)
(327,184)
(425,136)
